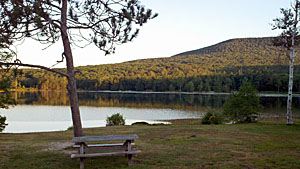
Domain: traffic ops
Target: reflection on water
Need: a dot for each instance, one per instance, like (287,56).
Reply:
(136,100)
(49,111)
(197,102)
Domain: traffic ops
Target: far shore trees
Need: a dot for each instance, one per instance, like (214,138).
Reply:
(102,22)
(289,39)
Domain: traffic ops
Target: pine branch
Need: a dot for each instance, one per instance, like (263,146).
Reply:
(34,66)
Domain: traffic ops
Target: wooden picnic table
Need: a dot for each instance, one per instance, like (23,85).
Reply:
(108,149)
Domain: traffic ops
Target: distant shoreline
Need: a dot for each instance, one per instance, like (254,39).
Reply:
(262,94)
(152,92)
(187,93)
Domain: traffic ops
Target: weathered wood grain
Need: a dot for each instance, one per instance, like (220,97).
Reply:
(103,145)
(104,138)
(105,154)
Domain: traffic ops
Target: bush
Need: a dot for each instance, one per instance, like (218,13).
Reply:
(70,127)
(243,106)
(212,117)
(115,119)
(2,123)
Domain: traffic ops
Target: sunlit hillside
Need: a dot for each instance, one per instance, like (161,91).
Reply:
(220,68)
(234,52)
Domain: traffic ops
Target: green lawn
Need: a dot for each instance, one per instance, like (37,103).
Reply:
(184,144)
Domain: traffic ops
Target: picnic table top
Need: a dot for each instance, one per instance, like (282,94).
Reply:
(104,138)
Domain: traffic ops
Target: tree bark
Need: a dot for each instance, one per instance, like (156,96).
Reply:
(289,119)
(72,89)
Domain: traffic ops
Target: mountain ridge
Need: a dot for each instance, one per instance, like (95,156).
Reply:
(238,51)
(207,49)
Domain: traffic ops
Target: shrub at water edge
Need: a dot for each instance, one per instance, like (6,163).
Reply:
(243,106)
(115,119)
(212,117)
(2,123)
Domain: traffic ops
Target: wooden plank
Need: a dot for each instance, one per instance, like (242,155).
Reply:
(105,154)
(104,138)
(103,149)
(103,145)
(99,148)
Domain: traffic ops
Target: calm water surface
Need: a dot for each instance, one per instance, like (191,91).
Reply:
(50,111)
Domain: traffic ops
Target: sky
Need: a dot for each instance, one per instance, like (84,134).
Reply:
(182,25)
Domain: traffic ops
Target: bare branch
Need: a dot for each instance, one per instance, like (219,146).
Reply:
(34,66)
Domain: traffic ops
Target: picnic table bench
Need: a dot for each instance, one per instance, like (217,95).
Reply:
(108,149)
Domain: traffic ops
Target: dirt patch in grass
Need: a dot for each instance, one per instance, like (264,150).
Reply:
(65,147)
(185,121)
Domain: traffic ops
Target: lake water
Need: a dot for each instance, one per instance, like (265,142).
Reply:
(50,111)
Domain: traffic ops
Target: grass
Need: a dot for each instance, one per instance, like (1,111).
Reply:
(184,144)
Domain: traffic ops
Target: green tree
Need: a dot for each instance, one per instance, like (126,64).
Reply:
(140,86)
(5,98)
(171,87)
(207,81)
(115,119)
(243,106)
(102,22)
(200,86)
(179,83)
(189,87)
(121,87)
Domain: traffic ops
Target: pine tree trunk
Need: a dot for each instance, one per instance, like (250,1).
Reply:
(72,89)
(290,90)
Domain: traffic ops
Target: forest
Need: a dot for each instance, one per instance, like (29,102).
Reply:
(219,68)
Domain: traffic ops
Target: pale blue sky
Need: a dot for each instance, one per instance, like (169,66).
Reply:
(182,25)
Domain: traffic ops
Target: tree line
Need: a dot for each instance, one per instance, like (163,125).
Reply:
(219,68)
(263,78)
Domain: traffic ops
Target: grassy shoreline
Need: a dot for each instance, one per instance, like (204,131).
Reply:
(183,144)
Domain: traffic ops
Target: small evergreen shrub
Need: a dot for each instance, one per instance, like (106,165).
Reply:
(2,123)
(212,117)
(115,119)
(243,106)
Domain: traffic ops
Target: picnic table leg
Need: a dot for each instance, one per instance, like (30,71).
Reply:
(81,163)
(129,159)
(81,151)
(128,148)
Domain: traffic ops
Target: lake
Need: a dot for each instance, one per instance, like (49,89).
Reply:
(50,111)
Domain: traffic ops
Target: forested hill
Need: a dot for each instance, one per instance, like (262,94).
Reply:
(234,52)
(242,45)
(220,68)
